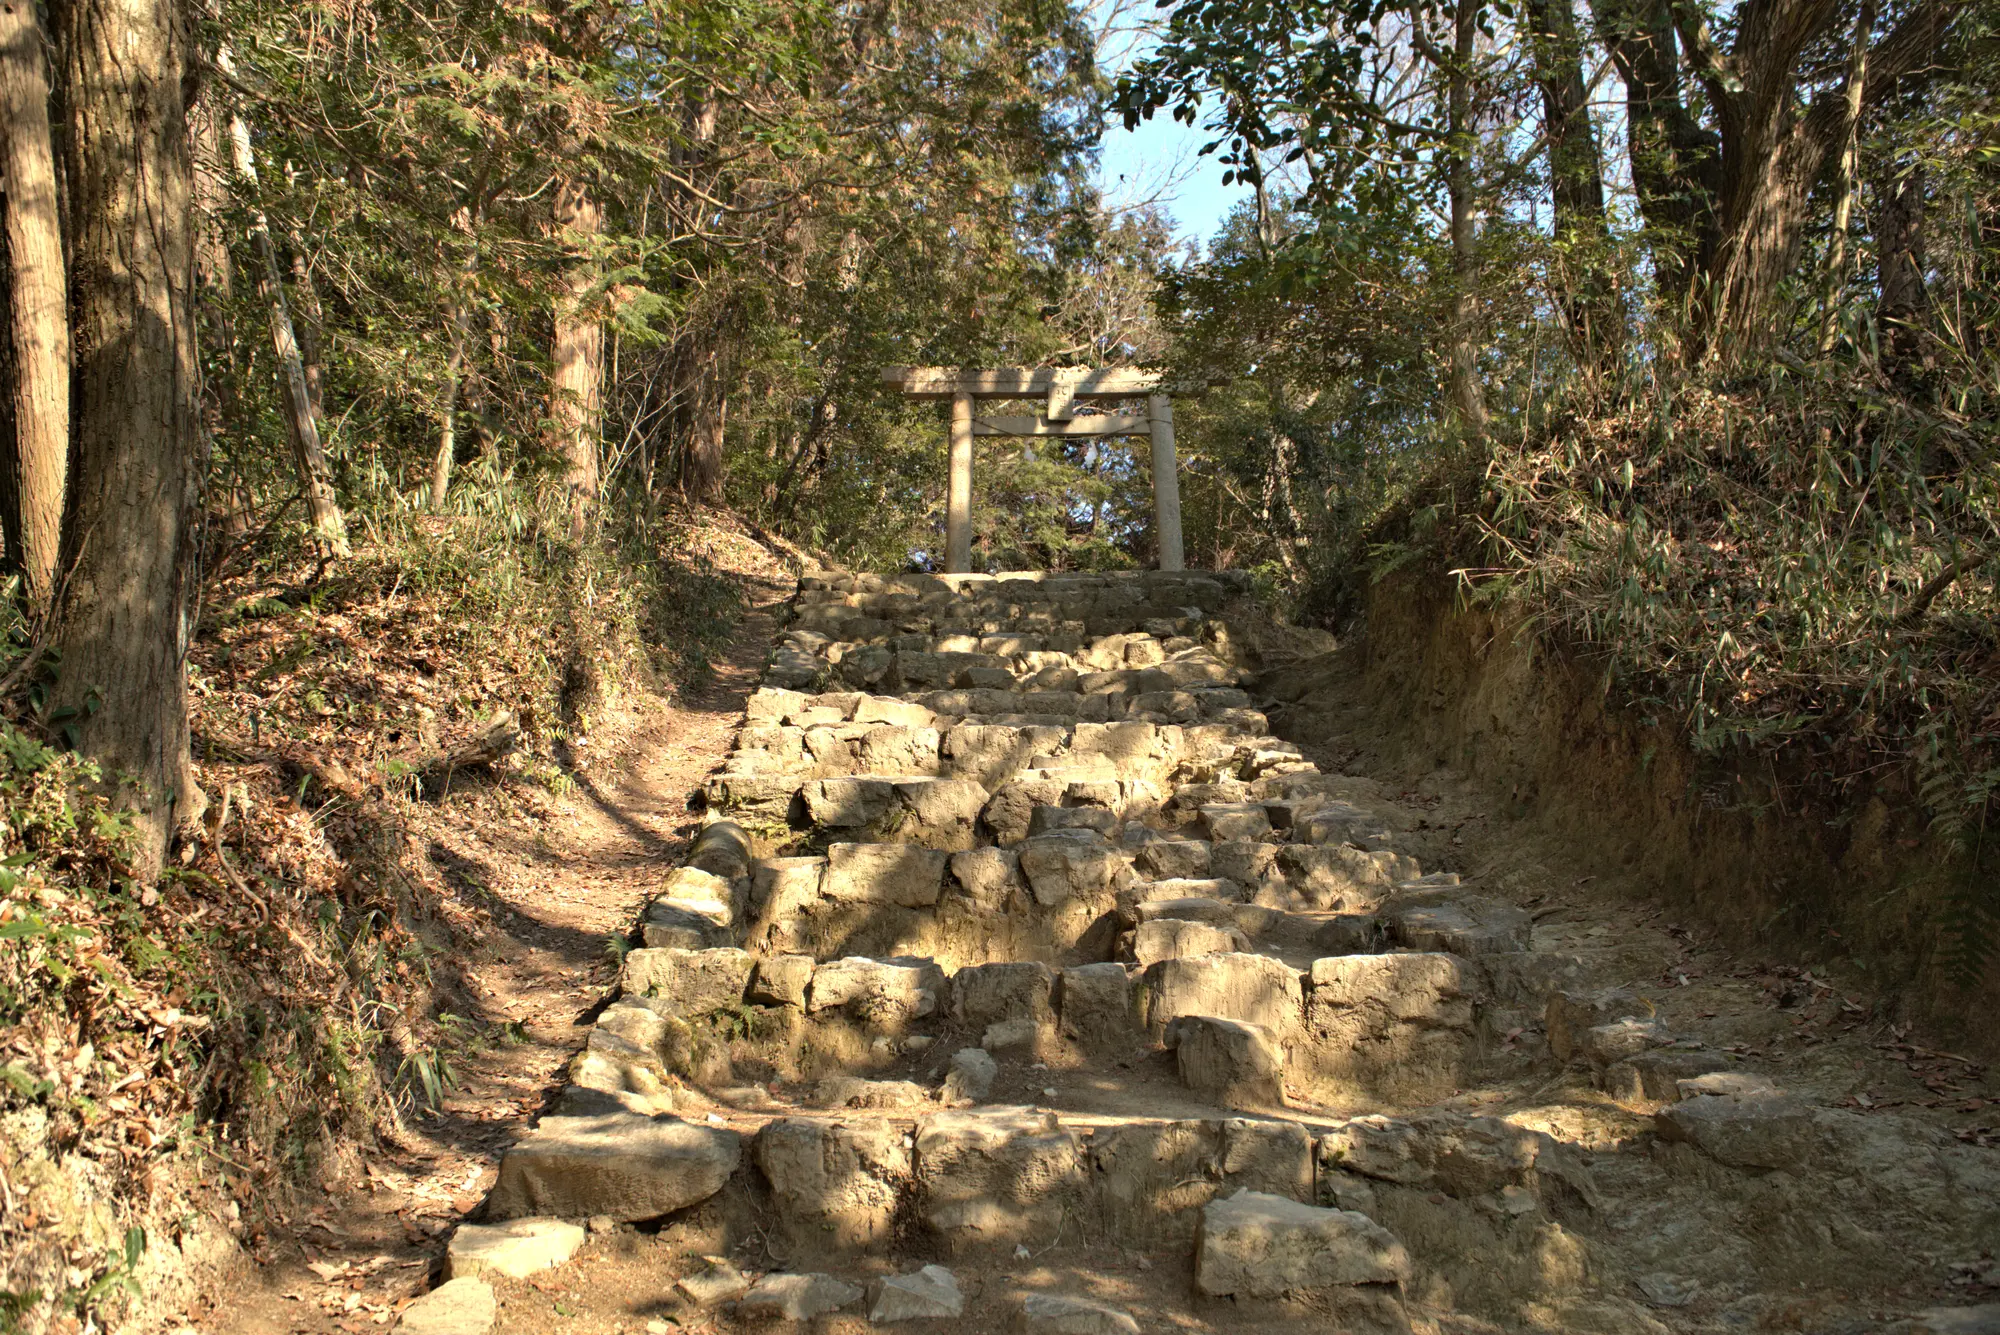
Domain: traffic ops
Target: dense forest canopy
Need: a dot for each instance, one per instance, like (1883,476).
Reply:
(1673,324)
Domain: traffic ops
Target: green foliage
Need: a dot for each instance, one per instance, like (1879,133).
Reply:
(1788,548)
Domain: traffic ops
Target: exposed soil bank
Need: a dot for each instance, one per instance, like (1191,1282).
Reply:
(1860,886)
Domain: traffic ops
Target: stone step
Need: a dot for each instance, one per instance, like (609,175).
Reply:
(995,1177)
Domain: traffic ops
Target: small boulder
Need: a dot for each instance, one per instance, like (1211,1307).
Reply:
(718,1284)
(1255,1245)
(515,1247)
(456,1307)
(1052,1314)
(973,1072)
(928,1294)
(1237,1064)
(798,1297)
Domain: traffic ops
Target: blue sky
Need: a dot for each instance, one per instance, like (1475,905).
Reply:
(1158,161)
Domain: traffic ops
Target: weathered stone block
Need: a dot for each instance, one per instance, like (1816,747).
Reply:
(1173,859)
(1071,864)
(997,1176)
(988,876)
(929,1294)
(1462,924)
(835,1182)
(1236,1064)
(1390,1025)
(1223,821)
(516,1248)
(623,1165)
(1178,938)
(1254,988)
(463,1306)
(885,993)
(986,994)
(1053,1314)
(1255,1245)
(1752,1129)
(798,1297)
(697,982)
(1098,1006)
(781,980)
(900,874)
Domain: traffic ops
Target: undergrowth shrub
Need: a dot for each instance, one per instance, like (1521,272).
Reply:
(1799,564)
(290,990)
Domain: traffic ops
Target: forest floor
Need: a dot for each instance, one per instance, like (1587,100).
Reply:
(572,873)
(562,875)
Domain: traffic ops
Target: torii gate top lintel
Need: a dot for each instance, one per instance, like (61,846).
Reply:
(1062,386)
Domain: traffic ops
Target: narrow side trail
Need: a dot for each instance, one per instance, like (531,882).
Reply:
(560,877)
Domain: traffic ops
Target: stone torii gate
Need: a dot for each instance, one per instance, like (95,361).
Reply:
(1061,388)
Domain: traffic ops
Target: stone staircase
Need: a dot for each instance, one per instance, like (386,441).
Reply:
(1015,933)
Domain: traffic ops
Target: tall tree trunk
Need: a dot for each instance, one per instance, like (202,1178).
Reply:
(459,321)
(1675,161)
(1850,148)
(124,620)
(1589,285)
(310,321)
(577,404)
(1774,154)
(329,525)
(1468,396)
(702,402)
(1898,223)
(447,446)
(37,451)
(215,297)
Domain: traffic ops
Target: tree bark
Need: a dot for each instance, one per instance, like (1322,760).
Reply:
(1850,146)
(577,405)
(1589,287)
(459,321)
(123,623)
(1675,161)
(1898,223)
(703,404)
(1468,397)
(37,453)
(329,525)
(1773,154)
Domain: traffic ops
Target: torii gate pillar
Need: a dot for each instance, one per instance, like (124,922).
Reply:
(958,489)
(1166,482)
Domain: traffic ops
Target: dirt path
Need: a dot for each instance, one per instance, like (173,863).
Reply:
(560,877)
